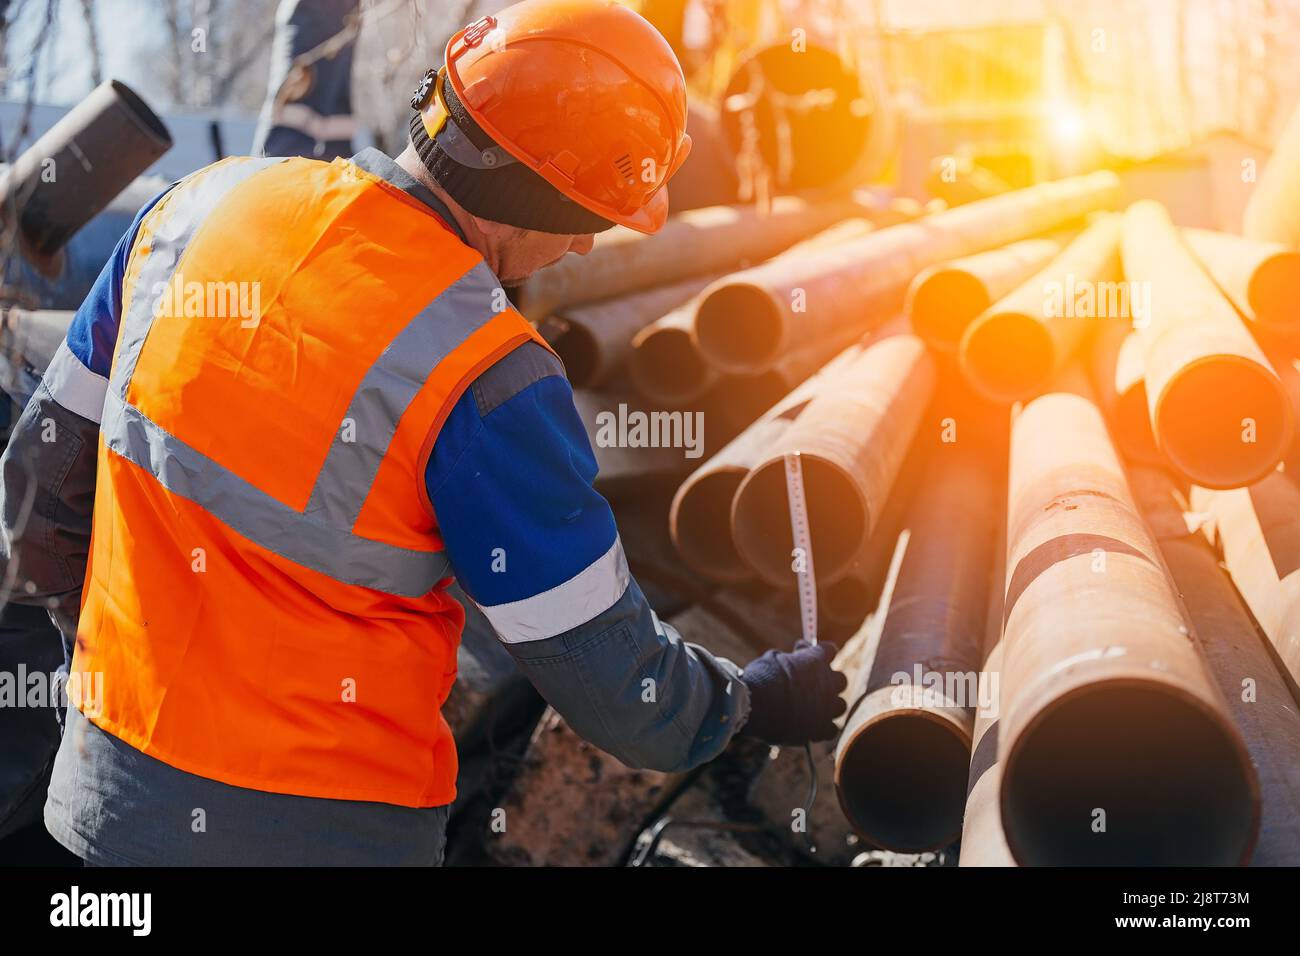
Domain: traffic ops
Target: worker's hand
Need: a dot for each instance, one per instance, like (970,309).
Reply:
(794,697)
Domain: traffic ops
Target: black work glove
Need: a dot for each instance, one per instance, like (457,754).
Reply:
(794,697)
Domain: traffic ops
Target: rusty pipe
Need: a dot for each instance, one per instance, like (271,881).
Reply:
(902,760)
(1262,279)
(698,241)
(853,437)
(1258,531)
(84,160)
(946,298)
(1018,345)
(700,516)
(594,340)
(1257,695)
(745,322)
(667,367)
(1218,410)
(1116,747)
(1115,367)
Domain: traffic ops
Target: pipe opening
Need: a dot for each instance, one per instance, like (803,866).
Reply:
(1008,356)
(902,781)
(1224,421)
(1275,290)
(837,519)
(139,111)
(945,304)
(577,349)
(701,526)
(1162,775)
(667,367)
(1133,426)
(738,327)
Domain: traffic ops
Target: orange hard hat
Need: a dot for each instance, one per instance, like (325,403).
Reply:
(586,93)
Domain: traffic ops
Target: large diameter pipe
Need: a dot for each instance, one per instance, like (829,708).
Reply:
(746,321)
(594,340)
(1116,748)
(1258,531)
(803,117)
(697,242)
(902,760)
(1261,278)
(1272,213)
(1218,410)
(700,516)
(1117,379)
(853,437)
(946,298)
(72,172)
(1257,695)
(1021,342)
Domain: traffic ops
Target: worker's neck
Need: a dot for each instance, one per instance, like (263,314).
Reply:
(470,226)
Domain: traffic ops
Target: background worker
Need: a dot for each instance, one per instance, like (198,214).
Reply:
(281,499)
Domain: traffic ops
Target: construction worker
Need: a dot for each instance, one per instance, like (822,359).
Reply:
(285,485)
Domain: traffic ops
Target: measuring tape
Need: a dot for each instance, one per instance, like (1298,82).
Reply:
(802,536)
(806,576)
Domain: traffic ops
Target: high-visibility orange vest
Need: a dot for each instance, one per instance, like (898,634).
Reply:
(265,601)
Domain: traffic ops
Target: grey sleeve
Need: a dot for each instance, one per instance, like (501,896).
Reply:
(47,495)
(628,683)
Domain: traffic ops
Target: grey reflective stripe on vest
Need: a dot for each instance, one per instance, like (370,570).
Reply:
(389,387)
(326,548)
(183,212)
(320,538)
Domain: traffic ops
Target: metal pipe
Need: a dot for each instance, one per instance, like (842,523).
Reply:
(1258,531)
(804,118)
(1116,372)
(853,437)
(946,298)
(1273,210)
(1116,747)
(1261,278)
(1016,347)
(700,516)
(1218,411)
(666,366)
(745,322)
(1257,695)
(697,242)
(982,841)
(902,761)
(594,340)
(72,172)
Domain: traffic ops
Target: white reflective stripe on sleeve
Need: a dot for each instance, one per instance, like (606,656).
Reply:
(74,386)
(594,589)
